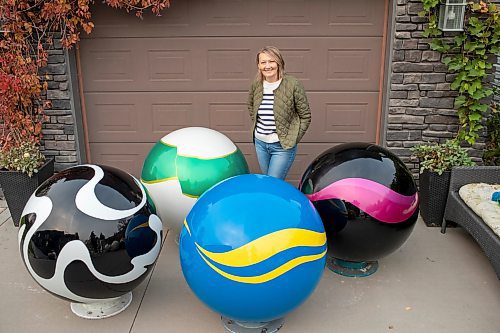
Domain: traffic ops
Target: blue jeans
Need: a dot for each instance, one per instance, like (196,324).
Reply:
(273,159)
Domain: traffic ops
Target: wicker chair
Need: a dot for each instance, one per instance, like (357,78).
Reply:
(457,211)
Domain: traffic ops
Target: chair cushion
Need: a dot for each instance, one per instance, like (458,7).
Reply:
(478,197)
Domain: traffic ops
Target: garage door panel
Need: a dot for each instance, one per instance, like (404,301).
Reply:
(246,18)
(228,64)
(146,117)
(232,119)
(156,114)
(116,118)
(356,14)
(290,12)
(169,65)
(351,64)
(133,117)
(196,64)
(341,117)
(216,14)
(225,64)
(166,117)
(128,157)
(298,62)
(335,117)
(111,64)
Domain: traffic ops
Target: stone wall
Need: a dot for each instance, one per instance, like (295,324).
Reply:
(59,139)
(420,106)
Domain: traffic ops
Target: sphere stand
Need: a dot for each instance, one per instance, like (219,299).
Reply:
(234,326)
(351,268)
(103,309)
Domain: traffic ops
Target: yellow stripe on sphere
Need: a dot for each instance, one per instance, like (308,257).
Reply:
(265,247)
(270,275)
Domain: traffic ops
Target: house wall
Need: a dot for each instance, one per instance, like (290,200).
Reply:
(59,139)
(419,103)
(420,106)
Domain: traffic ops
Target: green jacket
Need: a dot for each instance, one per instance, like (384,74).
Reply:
(291,109)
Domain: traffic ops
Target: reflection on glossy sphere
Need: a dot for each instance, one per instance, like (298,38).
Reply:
(87,234)
(253,248)
(183,165)
(366,197)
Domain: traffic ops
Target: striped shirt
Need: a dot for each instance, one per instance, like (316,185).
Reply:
(265,129)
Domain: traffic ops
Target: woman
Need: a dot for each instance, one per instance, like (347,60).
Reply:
(280,113)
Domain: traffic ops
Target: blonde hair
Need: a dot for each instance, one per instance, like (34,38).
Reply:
(275,54)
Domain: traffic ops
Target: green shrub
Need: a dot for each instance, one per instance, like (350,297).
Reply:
(441,157)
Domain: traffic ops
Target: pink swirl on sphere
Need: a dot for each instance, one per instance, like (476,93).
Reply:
(371,197)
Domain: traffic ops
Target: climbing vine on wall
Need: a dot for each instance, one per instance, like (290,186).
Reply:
(469,54)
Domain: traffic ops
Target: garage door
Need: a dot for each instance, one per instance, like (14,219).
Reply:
(193,66)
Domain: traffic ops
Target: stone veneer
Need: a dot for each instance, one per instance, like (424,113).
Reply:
(419,100)
(59,140)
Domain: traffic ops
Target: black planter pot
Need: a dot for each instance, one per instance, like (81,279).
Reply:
(18,187)
(433,194)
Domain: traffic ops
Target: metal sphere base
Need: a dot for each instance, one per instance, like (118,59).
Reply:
(351,268)
(234,326)
(103,309)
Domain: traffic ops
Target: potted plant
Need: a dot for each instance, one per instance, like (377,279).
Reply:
(22,169)
(436,161)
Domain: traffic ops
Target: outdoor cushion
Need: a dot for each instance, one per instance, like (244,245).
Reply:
(478,196)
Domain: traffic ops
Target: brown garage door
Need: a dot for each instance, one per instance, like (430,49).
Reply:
(193,66)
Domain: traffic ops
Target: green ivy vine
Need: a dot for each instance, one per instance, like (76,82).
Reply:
(491,154)
(469,54)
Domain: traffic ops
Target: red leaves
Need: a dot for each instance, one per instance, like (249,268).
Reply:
(139,6)
(20,86)
(27,31)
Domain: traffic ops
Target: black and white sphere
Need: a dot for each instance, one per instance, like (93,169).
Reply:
(88,234)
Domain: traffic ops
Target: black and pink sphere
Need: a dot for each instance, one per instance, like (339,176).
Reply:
(88,234)
(366,197)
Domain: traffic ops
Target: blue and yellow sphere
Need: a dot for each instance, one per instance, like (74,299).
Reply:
(253,248)
(183,165)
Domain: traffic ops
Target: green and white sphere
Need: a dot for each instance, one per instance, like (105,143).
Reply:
(183,165)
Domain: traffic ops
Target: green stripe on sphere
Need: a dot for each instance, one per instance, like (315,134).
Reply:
(160,163)
(149,199)
(198,175)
